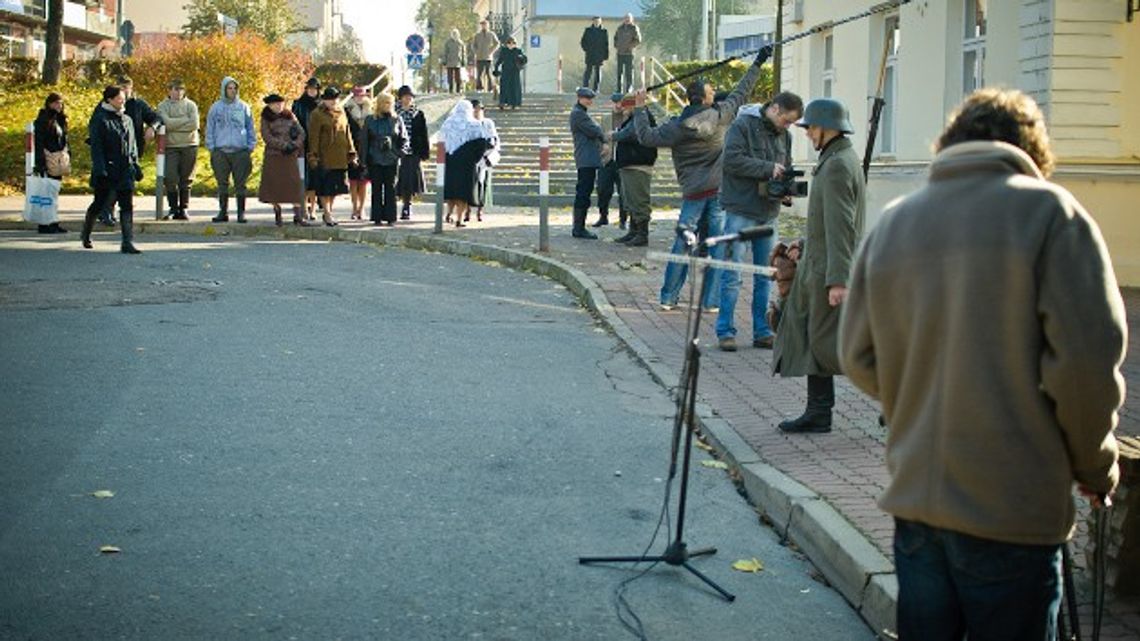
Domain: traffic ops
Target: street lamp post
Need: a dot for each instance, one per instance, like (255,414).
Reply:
(431,57)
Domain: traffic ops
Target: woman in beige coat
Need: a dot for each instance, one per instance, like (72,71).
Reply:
(281,180)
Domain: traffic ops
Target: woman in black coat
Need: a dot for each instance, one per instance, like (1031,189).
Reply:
(411,179)
(465,140)
(508,68)
(50,136)
(114,165)
(385,143)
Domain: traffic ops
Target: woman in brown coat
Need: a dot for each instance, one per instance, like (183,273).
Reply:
(281,180)
(331,151)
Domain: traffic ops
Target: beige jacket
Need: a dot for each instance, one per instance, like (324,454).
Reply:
(181,120)
(984,313)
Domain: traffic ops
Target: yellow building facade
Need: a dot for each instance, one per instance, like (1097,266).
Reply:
(1072,56)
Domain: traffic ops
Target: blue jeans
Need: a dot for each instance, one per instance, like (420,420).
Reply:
(693,212)
(730,280)
(953,585)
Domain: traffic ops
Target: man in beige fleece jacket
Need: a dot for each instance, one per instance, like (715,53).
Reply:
(984,314)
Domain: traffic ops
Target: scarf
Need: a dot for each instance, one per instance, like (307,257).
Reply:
(461,127)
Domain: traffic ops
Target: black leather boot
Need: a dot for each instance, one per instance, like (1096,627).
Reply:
(223,209)
(277,215)
(603,218)
(628,235)
(88,225)
(640,236)
(622,218)
(126,222)
(241,208)
(816,419)
(579,229)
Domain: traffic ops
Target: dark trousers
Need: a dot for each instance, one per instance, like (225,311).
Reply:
(454,80)
(953,585)
(483,69)
(596,70)
(609,182)
(104,199)
(585,186)
(624,72)
(383,179)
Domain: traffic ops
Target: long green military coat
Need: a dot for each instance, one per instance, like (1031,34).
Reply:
(807,341)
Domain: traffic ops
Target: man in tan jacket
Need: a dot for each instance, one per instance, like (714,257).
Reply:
(484,45)
(984,314)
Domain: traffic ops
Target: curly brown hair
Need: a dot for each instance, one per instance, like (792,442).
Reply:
(1007,115)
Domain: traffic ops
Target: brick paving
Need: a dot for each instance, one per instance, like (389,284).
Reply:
(845,466)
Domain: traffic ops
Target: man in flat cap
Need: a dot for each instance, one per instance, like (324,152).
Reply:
(589,149)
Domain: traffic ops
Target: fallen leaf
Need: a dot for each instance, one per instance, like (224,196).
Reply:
(103,494)
(109,549)
(720,465)
(748,565)
(704,446)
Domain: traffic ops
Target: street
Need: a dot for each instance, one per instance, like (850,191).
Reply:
(325,440)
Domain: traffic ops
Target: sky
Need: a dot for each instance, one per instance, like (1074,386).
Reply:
(382,26)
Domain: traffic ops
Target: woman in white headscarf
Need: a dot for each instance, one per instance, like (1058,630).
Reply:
(465,139)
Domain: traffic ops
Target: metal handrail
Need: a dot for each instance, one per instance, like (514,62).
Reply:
(387,73)
(665,78)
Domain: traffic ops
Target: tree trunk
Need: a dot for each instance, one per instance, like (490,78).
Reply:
(53,58)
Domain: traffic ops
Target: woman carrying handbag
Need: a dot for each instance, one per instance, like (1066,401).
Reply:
(52,157)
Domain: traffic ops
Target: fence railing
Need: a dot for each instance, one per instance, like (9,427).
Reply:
(387,73)
(659,74)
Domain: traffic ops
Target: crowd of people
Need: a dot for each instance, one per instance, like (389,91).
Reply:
(496,67)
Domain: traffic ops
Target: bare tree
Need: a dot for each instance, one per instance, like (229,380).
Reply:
(53,58)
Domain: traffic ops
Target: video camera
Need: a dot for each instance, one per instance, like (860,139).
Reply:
(787,185)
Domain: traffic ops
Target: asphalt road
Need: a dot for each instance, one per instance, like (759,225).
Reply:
(331,441)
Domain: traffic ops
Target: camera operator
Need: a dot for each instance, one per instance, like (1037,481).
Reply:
(696,138)
(757,150)
(985,315)
(807,338)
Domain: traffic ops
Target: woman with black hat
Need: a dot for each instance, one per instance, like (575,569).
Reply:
(50,136)
(330,152)
(281,180)
(304,107)
(508,68)
(411,179)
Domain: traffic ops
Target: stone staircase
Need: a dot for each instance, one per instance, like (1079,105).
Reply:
(515,179)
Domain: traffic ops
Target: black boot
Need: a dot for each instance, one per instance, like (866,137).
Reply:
(183,203)
(126,222)
(277,215)
(628,235)
(816,419)
(88,225)
(241,208)
(640,234)
(223,209)
(603,218)
(579,229)
(622,217)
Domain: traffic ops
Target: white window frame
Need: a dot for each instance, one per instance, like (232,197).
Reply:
(973,45)
(828,75)
(888,124)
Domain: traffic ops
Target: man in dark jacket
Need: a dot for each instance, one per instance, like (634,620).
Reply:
(696,138)
(589,148)
(757,150)
(146,122)
(114,165)
(596,44)
(635,166)
(609,179)
(303,107)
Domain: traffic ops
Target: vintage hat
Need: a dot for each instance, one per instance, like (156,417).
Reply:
(313,82)
(405,91)
(616,96)
(330,93)
(586,92)
(272,98)
(827,113)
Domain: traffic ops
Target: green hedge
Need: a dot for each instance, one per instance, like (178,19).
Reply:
(724,78)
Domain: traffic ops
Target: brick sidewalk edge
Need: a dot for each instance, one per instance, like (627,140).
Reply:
(849,562)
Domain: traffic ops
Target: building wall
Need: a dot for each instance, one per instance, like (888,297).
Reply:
(155,17)
(1069,54)
(562,36)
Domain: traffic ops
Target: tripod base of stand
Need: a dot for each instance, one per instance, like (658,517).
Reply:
(676,554)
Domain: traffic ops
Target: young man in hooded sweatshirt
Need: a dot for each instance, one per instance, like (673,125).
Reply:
(230,138)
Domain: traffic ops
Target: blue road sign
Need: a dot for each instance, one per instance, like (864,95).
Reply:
(535,42)
(415,43)
(415,60)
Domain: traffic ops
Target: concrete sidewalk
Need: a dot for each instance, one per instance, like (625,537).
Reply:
(819,490)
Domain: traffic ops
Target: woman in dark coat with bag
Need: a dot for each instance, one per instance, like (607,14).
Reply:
(51,143)
(385,143)
(411,179)
(508,68)
(114,166)
(281,180)
(465,139)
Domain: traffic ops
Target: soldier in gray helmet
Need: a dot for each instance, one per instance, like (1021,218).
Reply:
(808,334)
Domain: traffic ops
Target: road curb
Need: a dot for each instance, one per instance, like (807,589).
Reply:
(857,570)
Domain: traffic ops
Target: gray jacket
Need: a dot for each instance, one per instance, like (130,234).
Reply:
(697,137)
(752,148)
(588,138)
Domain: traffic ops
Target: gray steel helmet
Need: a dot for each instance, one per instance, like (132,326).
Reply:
(827,113)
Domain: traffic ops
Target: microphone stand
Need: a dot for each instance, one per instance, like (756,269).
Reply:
(677,552)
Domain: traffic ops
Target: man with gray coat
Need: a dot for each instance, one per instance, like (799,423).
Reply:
(484,45)
(589,149)
(757,150)
(808,336)
(696,138)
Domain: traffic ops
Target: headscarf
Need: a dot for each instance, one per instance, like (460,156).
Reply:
(461,127)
